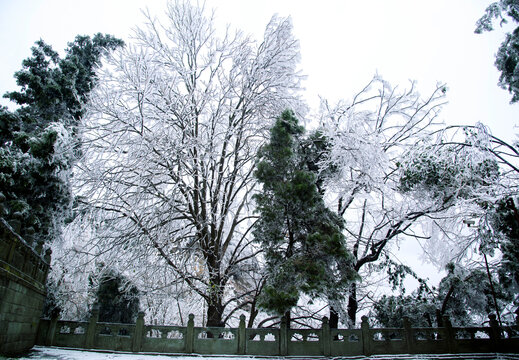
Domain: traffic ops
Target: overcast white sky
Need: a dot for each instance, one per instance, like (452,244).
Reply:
(343,43)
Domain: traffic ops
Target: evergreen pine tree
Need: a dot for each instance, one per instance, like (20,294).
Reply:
(38,142)
(504,218)
(117,298)
(303,244)
(507,57)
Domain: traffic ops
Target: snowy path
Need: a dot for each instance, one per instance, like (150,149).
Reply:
(51,353)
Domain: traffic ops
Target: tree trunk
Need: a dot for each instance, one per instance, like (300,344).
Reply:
(288,317)
(334,321)
(352,304)
(214,313)
(334,318)
(253,314)
(215,307)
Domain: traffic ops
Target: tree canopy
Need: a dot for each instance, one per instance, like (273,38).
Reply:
(507,57)
(38,141)
(170,142)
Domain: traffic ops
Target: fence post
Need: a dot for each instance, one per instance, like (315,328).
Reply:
(326,338)
(190,333)
(138,334)
(439,320)
(49,340)
(91,330)
(47,258)
(283,337)
(366,339)
(450,335)
(495,332)
(409,338)
(242,336)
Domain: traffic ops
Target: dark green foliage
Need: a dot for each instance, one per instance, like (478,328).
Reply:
(504,218)
(447,173)
(54,89)
(499,229)
(507,57)
(462,295)
(30,179)
(396,274)
(509,268)
(390,310)
(507,61)
(117,298)
(313,150)
(419,307)
(38,142)
(302,240)
(465,294)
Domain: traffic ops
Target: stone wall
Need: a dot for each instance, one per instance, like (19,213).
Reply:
(23,272)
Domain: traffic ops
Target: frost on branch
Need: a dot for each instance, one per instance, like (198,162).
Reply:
(170,139)
(457,170)
(389,173)
(370,133)
(449,172)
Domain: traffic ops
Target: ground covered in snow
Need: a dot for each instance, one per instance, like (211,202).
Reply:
(52,353)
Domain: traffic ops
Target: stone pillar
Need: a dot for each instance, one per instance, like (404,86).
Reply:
(242,336)
(49,339)
(366,338)
(439,320)
(408,333)
(450,336)
(495,332)
(91,330)
(190,333)
(47,258)
(326,338)
(283,337)
(139,332)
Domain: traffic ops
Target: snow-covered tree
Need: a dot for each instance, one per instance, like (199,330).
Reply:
(506,223)
(497,235)
(385,174)
(390,310)
(507,57)
(169,146)
(467,296)
(464,295)
(75,276)
(38,140)
(477,171)
(497,228)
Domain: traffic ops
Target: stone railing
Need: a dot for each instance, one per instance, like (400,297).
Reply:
(23,271)
(283,341)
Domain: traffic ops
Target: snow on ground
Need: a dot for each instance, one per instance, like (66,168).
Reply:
(53,353)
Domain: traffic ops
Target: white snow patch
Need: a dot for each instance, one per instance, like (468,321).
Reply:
(54,353)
